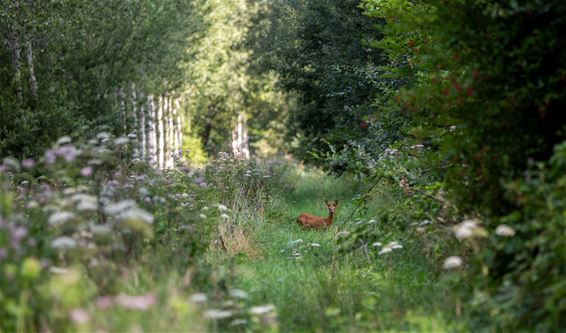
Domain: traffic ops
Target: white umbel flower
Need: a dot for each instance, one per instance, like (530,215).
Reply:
(63,243)
(504,230)
(217,314)
(238,293)
(60,217)
(262,309)
(452,262)
(198,298)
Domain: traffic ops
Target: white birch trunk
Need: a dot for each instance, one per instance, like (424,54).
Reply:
(170,137)
(142,126)
(240,147)
(16,52)
(151,131)
(179,127)
(136,128)
(33,87)
(160,122)
(122,103)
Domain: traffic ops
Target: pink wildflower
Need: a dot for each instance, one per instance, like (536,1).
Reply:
(104,302)
(79,316)
(142,302)
(28,163)
(86,171)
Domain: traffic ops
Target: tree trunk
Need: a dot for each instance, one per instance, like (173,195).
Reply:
(171,138)
(16,53)
(33,87)
(150,130)
(179,120)
(142,126)
(161,144)
(240,146)
(135,128)
(122,102)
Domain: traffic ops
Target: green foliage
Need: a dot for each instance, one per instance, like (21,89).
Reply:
(83,53)
(483,82)
(315,286)
(527,287)
(225,81)
(317,49)
(73,224)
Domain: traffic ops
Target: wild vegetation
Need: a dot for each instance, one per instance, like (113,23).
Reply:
(155,157)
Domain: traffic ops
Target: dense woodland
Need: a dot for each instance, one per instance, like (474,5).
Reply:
(154,156)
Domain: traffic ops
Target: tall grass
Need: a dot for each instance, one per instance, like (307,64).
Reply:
(317,288)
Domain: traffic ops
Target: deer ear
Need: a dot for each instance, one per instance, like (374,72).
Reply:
(336,202)
(326,201)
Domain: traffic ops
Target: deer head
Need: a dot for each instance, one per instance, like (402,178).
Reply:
(331,206)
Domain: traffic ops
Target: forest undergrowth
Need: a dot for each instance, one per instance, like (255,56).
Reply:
(101,242)
(314,284)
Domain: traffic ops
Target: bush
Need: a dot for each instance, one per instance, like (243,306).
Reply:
(76,223)
(527,270)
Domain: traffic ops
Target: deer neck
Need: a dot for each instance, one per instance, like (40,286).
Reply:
(329,218)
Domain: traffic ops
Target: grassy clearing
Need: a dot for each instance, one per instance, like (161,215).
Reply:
(324,290)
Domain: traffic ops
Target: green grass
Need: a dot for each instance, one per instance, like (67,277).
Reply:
(325,291)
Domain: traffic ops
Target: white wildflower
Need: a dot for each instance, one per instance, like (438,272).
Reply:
(390,247)
(32,204)
(82,196)
(262,309)
(103,136)
(120,207)
(58,270)
(424,222)
(12,163)
(137,214)
(217,314)
(314,244)
(295,242)
(225,216)
(385,250)
(63,243)
(86,202)
(202,216)
(222,208)
(60,217)
(143,191)
(100,230)
(64,140)
(238,322)
(467,229)
(238,293)
(342,234)
(504,230)
(198,298)
(452,262)
(85,206)
(376,244)
(121,141)
(395,245)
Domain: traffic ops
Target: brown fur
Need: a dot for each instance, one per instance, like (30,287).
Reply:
(309,221)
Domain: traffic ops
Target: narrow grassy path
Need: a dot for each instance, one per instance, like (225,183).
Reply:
(317,290)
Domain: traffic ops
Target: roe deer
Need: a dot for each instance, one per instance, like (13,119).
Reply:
(309,221)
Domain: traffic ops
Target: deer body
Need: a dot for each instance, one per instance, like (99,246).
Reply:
(309,221)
